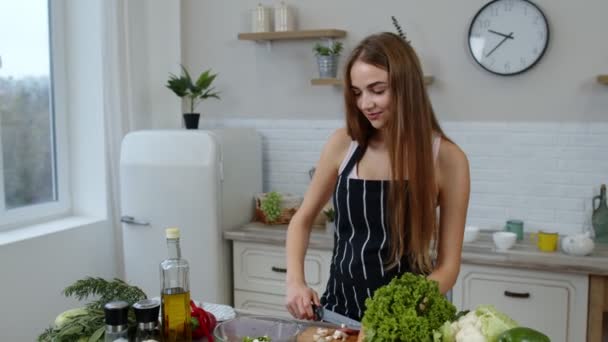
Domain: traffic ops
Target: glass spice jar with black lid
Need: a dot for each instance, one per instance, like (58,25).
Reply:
(146,316)
(117,321)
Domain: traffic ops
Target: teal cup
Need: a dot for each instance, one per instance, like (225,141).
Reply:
(517,227)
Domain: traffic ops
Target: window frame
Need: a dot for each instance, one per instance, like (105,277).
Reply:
(38,213)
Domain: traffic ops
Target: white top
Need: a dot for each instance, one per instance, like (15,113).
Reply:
(353,146)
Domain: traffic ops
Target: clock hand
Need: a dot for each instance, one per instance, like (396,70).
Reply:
(510,36)
(499,44)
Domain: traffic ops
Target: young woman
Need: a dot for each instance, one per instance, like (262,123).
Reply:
(400,187)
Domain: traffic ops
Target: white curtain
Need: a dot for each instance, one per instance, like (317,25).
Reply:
(118,117)
(141,46)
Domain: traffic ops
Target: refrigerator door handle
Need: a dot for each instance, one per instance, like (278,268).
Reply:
(132,220)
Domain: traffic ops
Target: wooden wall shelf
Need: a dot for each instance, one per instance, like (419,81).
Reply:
(428,80)
(291,35)
(326,81)
(603,79)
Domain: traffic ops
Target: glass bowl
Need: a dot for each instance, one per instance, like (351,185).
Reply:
(236,329)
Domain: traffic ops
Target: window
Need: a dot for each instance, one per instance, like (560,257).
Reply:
(33,170)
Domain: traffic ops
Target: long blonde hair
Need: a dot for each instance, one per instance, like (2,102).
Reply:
(411,205)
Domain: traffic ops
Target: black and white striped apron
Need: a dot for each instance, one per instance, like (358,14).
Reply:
(360,243)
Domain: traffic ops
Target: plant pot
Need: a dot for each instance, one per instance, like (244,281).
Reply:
(191,120)
(330,227)
(328,66)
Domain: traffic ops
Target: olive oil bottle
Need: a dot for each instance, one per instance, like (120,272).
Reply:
(175,292)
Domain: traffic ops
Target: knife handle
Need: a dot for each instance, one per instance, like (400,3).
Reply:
(318,310)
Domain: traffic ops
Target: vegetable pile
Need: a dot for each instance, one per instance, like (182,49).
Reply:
(486,324)
(483,324)
(88,322)
(409,308)
(203,322)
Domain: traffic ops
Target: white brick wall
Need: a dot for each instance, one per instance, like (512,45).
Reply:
(543,173)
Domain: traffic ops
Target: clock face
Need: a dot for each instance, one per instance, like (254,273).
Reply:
(508,37)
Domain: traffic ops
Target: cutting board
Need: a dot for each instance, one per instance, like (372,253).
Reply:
(306,335)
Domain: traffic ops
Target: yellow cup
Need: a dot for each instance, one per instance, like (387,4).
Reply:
(546,242)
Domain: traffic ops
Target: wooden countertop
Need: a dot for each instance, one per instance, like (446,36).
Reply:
(481,252)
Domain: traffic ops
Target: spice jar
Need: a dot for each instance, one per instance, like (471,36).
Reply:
(117,321)
(146,316)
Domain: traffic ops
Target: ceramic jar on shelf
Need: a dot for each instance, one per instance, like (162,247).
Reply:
(260,19)
(284,18)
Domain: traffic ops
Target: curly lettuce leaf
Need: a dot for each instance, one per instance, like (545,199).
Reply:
(409,308)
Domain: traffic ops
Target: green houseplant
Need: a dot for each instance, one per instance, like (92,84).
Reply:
(195,92)
(271,206)
(327,58)
(330,216)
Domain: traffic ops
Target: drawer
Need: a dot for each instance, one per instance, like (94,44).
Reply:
(543,307)
(552,303)
(260,303)
(262,268)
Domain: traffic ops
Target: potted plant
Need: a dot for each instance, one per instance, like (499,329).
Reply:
(271,206)
(327,59)
(330,215)
(195,92)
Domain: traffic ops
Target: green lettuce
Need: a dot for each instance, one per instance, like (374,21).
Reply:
(409,308)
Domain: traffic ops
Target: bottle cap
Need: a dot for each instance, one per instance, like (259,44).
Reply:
(172,233)
(116,313)
(146,310)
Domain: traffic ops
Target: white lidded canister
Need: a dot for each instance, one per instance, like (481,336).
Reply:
(260,19)
(284,19)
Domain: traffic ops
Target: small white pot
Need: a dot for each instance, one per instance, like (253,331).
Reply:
(330,227)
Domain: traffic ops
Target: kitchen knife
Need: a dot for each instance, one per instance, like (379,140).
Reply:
(323,314)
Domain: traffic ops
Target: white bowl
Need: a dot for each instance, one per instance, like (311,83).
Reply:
(504,240)
(470,233)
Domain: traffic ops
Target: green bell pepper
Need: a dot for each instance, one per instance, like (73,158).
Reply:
(522,334)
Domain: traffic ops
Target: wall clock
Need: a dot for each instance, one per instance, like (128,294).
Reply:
(508,37)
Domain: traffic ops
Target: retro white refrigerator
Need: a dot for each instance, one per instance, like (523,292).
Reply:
(201,181)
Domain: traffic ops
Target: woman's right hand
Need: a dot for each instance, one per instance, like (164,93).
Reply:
(300,299)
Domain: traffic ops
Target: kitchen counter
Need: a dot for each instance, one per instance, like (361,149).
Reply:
(480,252)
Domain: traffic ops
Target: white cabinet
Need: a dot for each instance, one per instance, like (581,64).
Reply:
(259,276)
(260,303)
(554,303)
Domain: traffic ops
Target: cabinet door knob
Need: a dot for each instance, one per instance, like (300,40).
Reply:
(278,269)
(517,294)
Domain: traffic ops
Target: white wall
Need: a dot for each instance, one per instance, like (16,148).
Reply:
(542,173)
(35,271)
(258,83)
(154,50)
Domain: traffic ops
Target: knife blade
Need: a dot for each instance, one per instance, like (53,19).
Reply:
(323,314)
